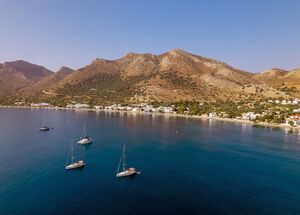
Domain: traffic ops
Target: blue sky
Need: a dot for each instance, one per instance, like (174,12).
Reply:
(252,35)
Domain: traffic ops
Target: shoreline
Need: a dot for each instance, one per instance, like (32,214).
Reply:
(240,121)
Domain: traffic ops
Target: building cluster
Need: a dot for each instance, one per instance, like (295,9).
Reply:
(293,120)
(212,115)
(43,104)
(78,106)
(19,103)
(250,116)
(143,107)
(295,101)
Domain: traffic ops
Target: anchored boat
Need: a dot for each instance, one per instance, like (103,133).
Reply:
(84,140)
(44,128)
(73,164)
(125,172)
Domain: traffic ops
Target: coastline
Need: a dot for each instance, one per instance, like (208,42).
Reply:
(204,117)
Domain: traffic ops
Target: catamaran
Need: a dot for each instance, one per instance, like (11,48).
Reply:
(76,164)
(84,138)
(125,172)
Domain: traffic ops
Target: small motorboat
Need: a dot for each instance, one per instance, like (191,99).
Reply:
(125,172)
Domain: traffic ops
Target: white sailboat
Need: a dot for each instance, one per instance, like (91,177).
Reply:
(43,127)
(84,139)
(76,164)
(125,172)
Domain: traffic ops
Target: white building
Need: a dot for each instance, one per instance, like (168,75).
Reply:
(250,116)
(296,101)
(168,110)
(128,108)
(135,109)
(70,106)
(296,110)
(98,107)
(212,115)
(19,103)
(81,106)
(44,104)
(295,119)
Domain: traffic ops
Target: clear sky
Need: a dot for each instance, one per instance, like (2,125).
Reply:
(252,35)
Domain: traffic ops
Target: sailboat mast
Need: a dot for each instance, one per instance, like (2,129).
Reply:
(124,158)
(67,161)
(121,159)
(84,132)
(72,157)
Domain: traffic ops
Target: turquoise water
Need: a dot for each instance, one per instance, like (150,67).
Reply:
(206,167)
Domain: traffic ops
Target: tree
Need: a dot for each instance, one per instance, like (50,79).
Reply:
(291,123)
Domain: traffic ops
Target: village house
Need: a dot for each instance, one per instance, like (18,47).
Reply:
(135,109)
(295,119)
(98,107)
(44,104)
(212,115)
(70,106)
(168,110)
(250,116)
(19,103)
(81,106)
(296,110)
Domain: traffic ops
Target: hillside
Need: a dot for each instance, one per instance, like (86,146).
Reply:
(172,76)
(48,81)
(18,74)
(286,81)
(270,76)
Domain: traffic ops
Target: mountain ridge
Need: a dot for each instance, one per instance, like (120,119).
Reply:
(17,74)
(171,76)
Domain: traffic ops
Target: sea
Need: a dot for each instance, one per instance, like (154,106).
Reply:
(188,166)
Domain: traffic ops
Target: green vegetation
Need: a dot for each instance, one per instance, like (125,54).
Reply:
(185,82)
(270,112)
(107,94)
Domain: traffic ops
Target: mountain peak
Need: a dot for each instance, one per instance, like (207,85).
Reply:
(99,60)
(17,74)
(131,55)
(65,69)
(177,52)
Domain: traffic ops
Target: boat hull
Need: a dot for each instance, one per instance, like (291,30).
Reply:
(85,141)
(76,165)
(127,172)
(44,129)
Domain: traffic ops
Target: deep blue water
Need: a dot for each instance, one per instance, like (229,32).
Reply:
(206,167)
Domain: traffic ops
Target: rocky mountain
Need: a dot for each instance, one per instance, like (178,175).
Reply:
(270,76)
(286,81)
(18,74)
(48,81)
(172,76)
